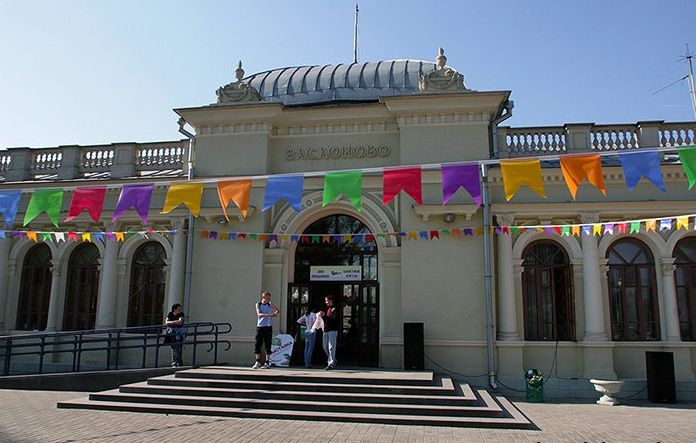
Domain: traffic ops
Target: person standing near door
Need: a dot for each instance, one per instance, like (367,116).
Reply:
(330,317)
(265,311)
(310,335)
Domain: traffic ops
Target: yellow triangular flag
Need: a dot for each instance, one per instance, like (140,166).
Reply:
(521,172)
(32,235)
(119,236)
(683,222)
(411,235)
(576,230)
(597,229)
(650,225)
(86,237)
(187,193)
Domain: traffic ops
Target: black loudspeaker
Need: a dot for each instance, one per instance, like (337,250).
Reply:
(659,368)
(414,347)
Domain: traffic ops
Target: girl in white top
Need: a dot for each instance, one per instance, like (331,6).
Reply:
(309,319)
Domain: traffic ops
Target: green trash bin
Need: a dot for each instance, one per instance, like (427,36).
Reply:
(535,385)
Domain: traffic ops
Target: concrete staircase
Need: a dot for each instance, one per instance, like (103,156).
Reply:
(368,396)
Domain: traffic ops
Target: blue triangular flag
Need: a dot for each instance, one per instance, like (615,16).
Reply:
(642,164)
(285,187)
(9,202)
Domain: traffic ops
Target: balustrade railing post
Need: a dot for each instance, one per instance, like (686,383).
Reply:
(43,352)
(70,162)
(8,356)
(649,133)
(20,166)
(577,136)
(503,149)
(124,160)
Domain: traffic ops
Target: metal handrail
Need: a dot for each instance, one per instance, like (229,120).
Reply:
(116,339)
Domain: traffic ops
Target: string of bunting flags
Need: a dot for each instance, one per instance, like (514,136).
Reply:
(289,187)
(679,222)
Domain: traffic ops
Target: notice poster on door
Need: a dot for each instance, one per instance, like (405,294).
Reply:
(281,350)
(335,273)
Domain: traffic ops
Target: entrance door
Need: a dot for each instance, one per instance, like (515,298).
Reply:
(358,314)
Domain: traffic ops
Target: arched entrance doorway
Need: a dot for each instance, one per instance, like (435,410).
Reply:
(331,260)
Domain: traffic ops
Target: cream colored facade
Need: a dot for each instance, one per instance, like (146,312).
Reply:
(439,282)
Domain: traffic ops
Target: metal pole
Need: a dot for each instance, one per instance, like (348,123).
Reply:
(488,276)
(191,222)
(355,35)
(692,90)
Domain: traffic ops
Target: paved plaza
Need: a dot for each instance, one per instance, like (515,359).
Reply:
(32,416)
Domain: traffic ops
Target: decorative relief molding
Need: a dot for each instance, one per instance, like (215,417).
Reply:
(236,128)
(336,128)
(667,265)
(505,219)
(442,118)
(442,78)
(588,217)
(425,211)
(237,91)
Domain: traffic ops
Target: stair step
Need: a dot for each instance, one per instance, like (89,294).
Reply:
(491,408)
(452,400)
(441,386)
(342,376)
(514,419)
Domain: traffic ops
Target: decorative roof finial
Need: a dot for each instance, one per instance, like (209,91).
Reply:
(239,72)
(441,60)
(237,91)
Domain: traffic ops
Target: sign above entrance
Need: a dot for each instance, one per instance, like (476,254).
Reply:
(335,273)
(336,152)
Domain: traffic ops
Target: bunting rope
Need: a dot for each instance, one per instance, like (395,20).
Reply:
(516,173)
(373,170)
(685,222)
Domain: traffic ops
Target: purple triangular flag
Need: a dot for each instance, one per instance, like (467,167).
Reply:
(642,164)
(137,197)
(465,176)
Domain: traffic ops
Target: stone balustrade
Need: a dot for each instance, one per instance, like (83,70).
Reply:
(589,137)
(117,160)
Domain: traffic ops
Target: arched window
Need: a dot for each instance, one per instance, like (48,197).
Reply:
(35,291)
(547,280)
(146,299)
(83,288)
(685,282)
(632,293)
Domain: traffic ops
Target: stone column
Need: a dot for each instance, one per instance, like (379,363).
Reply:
(54,302)
(507,308)
(592,286)
(177,267)
(106,307)
(669,293)
(5,246)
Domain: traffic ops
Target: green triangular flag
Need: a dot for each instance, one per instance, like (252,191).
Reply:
(347,183)
(565,230)
(688,161)
(44,200)
(635,228)
(47,236)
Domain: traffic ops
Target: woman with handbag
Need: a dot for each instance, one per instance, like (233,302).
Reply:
(174,321)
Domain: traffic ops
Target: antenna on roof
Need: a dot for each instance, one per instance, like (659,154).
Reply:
(688,57)
(355,35)
(692,91)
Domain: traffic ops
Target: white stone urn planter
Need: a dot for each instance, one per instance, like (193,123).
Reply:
(609,388)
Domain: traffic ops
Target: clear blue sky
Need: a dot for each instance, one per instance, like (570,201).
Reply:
(97,71)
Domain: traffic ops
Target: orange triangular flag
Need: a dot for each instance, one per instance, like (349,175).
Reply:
(575,168)
(237,191)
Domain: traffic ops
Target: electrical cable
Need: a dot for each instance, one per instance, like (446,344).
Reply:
(450,371)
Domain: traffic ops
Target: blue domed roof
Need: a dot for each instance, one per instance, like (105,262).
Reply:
(343,82)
